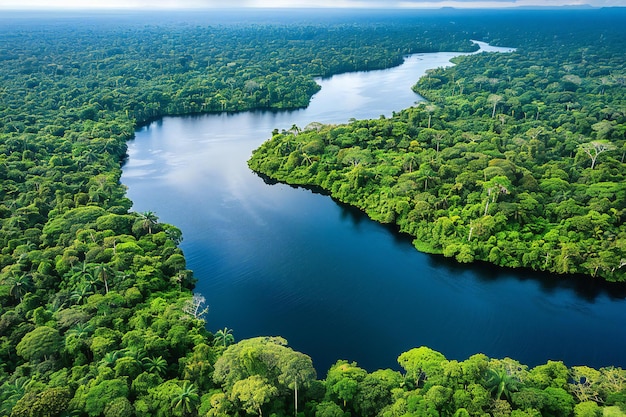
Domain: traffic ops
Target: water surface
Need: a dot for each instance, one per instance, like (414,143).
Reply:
(278,260)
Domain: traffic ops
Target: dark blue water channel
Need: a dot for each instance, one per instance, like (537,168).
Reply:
(278,260)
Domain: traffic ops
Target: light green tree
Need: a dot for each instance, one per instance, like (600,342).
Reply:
(587,409)
(423,364)
(40,344)
(343,379)
(296,370)
(253,392)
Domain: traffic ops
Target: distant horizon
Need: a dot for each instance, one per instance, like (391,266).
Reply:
(182,5)
(164,9)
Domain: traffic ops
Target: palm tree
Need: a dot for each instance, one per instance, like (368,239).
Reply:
(149,219)
(80,294)
(409,161)
(102,272)
(186,399)
(430,108)
(136,352)
(155,365)
(113,146)
(79,270)
(111,357)
(224,337)
(287,145)
(88,156)
(500,383)
(294,130)
(426,173)
(439,136)
(80,330)
(10,393)
(20,284)
(494,99)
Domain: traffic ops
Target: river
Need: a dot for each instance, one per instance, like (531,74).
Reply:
(278,260)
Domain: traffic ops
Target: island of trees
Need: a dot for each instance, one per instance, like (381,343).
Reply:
(515,159)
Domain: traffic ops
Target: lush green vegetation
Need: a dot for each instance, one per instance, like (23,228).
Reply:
(97,316)
(517,159)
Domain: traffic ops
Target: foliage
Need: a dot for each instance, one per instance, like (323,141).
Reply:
(516,159)
(522,166)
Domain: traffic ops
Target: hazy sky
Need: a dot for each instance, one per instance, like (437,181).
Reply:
(182,4)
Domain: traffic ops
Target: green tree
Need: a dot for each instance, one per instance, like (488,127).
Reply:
(119,407)
(185,399)
(148,220)
(101,394)
(494,187)
(224,337)
(103,272)
(559,402)
(501,383)
(296,370)
(19,284)
(253,392)
(343,379)
(423,364)
(376,391)
(328,409)
(257,356)
(494,99)
(40,344)
(587,409)
(156,365)
(552,374)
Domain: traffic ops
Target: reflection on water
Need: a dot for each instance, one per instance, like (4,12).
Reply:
(279,260)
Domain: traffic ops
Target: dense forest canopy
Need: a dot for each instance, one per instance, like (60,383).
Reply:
(515,159)
(97,316)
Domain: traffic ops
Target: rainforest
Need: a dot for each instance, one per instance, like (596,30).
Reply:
(514,159)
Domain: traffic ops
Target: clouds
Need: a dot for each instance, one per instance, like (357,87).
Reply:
(207,4)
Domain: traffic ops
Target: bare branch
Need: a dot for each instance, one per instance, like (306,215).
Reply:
(594,149)
(196,307)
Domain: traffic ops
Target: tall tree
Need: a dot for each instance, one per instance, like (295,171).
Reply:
(595,148)
(253,392)
(148,220)
(296,369)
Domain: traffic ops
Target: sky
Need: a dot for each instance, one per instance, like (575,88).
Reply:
(195,4)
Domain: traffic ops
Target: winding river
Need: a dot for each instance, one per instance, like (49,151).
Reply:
(278,260)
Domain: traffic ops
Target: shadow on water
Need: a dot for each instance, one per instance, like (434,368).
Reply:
(584,287)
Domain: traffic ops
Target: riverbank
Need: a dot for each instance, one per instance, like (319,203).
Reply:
(290,257)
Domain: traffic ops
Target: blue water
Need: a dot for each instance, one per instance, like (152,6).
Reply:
(278,260)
